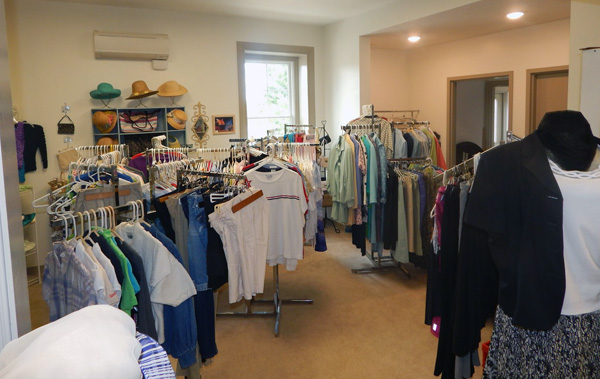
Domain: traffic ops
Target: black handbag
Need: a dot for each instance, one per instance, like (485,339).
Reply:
(66,127)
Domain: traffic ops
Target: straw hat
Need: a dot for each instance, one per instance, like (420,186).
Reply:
(139,89)
(107,141)
(105,91)
(105,121)
(171,89)
(177,118)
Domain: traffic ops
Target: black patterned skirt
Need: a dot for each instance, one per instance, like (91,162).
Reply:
(571,349)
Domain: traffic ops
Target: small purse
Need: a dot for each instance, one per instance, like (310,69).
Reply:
(66,127)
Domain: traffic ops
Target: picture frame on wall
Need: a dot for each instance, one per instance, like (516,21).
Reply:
(223,124)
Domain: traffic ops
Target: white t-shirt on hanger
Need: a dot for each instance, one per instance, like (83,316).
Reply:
(287,205)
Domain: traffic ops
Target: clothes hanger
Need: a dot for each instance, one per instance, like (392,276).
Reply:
(113,220)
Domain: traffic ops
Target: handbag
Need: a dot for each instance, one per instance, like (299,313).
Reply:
(65,157)
(66,127)
(134,121)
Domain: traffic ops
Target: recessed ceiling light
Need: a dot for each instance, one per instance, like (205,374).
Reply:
(414,38)
(514,15)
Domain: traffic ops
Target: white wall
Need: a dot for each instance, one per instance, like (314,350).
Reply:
(346,80)
(389,79)
(517,50)
(585,32)
(52,62)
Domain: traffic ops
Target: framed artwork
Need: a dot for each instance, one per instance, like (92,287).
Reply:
(224,124)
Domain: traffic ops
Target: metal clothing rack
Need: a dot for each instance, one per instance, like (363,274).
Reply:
(98,150)
(296,127)
(469,163)
(385,262)
(58,220)
(276,301)
(414,113)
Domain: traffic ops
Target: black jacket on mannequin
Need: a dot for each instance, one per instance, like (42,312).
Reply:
(517,202)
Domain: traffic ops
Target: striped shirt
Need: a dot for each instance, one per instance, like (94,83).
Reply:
(153,360)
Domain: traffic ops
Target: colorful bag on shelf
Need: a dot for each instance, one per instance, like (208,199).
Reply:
(135,121)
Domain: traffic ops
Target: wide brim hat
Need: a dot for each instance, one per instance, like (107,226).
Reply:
(139,89)
(105,91)
(107,141)
(105,121)
(171,89)
(177,118)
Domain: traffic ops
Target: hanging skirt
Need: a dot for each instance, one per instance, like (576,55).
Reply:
(571,349)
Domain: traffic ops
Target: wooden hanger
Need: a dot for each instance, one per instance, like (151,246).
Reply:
(247,201)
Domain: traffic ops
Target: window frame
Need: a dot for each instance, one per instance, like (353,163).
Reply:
(249,49)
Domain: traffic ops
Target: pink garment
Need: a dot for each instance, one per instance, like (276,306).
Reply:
(439,211)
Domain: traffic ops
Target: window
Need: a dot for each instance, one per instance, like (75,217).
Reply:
(276,87)
(271,99)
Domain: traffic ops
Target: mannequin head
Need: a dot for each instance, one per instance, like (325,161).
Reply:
(568,138)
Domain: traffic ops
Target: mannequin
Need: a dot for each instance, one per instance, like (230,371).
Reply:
(568,139)
(535,200)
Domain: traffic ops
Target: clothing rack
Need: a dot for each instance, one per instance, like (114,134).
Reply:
(385,262)
(414,113)
(296,127)
(109,169)
(154,171)
(58,220)
(372,127)
(97,150)
(276,301)
(464,166)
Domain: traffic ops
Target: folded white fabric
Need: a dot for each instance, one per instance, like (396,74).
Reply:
(95,342)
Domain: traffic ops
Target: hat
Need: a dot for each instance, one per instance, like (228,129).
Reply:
(177,118)
(107,141)
(171,89)
(105,91)
(105,121)
(173,142)
(139,89)
(568,137)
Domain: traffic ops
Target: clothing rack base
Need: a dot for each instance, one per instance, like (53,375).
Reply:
(381,263)
(276,301)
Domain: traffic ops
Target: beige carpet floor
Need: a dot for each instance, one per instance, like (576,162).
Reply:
(359,326)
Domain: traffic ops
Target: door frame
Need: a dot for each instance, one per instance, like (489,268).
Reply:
(451,111)
(532,76)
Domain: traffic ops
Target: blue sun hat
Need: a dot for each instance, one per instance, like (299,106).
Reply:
(105,91)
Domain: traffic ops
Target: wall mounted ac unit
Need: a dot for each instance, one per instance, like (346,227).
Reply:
(143,46)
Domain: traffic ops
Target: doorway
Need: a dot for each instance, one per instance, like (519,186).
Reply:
(547,90)
(479,113)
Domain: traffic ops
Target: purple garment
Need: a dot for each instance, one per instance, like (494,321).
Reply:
(139,163)
(20,138)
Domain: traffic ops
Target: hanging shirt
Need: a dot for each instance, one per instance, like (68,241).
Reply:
(287,204)
(67,285)
(168,280)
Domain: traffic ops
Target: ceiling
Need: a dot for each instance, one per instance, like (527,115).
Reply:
(475,19)
(317,12)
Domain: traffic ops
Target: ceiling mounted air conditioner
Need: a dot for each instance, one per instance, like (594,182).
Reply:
(141,46)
